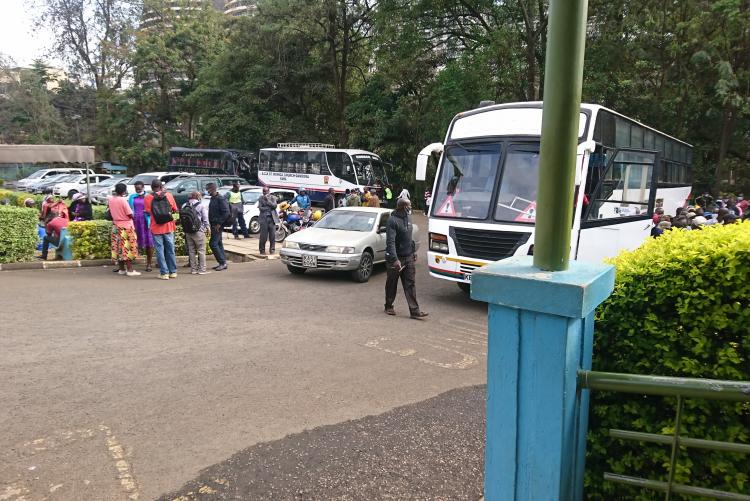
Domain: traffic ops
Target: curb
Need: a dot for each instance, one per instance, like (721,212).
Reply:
(57,265)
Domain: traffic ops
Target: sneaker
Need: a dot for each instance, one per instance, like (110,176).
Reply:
(116,270)
(133,273)
(121,272)
(163,277)
(418,315)
(204,272)
(221,267)
(193,272)
(236,237)
(390,311)
(173,275)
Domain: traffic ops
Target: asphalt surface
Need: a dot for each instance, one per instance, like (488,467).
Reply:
(128,388)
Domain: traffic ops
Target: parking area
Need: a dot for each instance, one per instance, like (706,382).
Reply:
(116,388)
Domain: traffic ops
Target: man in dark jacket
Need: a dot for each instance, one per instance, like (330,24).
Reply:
(219,213)
(330,201)
(268,219)
(400,255)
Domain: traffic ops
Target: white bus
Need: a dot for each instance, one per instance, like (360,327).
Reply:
(318,167)
(484,195)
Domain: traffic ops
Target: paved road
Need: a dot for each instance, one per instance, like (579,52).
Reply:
(118,388)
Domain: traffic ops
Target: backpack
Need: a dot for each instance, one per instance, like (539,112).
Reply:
(161,211)
(189,219)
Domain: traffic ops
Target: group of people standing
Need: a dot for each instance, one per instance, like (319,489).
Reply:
(696,217)
(145,221)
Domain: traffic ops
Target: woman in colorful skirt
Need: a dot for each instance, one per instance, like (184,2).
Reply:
(141,223)
(124,240)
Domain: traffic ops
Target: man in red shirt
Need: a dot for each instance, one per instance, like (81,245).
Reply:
(52,232)
(160,205)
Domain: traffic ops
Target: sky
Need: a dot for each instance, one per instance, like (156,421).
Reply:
(19,39)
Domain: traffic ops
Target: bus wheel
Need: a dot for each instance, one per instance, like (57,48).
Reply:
(254,225)
(464,287)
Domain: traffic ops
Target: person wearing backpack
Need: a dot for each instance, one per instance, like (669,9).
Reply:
(194,221)
(160,205)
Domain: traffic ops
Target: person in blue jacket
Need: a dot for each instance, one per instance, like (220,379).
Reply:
(303,201)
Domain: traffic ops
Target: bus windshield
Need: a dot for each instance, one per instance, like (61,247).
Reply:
(369,170)
(467,180)
(516,199)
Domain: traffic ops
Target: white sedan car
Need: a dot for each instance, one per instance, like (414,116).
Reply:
(74,185)
(250,197)
(347,239)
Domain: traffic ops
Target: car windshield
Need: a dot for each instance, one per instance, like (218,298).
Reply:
(144,178)
(37,174)
(56,177)
(250,197)
(348,220)
(174,183)
(69,177)
(110,182)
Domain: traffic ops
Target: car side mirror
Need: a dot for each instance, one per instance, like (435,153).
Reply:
(381,229)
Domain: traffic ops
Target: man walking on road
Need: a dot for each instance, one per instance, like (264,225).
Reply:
(194,220)
(268,220)
(219,214)
(160,206)
(400,255)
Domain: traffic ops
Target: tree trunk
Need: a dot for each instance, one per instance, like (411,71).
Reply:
(727,130)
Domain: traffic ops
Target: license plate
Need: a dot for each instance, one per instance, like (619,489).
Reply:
(309,261)
(467,277)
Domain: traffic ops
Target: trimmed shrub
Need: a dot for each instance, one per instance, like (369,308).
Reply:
(18,233)
(98,212)
(681,307)
(91,239)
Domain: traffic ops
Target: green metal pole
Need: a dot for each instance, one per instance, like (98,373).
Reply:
(557,162)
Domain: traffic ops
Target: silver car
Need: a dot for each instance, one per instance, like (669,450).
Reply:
(347,239)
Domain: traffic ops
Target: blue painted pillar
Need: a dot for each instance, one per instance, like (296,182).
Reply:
(540,335)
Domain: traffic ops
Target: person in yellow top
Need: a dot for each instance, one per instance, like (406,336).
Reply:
(234,197)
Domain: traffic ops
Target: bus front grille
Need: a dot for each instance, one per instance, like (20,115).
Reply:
(485,244)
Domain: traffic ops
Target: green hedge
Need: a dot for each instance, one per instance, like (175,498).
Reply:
(91,239)
(17,198)
(18,234)
(681,307)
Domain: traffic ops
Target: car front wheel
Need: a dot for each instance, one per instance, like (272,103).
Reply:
(254,225)
(364,270)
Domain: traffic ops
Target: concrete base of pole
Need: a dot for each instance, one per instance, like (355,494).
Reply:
(540,335)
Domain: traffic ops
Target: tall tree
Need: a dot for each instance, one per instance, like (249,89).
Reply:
(95,38)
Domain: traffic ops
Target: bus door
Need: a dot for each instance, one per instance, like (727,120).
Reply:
(620,205)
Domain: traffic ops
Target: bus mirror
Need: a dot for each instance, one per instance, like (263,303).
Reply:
(422,167)
(423,157)
(589,146)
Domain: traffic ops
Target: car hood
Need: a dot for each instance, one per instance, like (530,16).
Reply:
(323,236)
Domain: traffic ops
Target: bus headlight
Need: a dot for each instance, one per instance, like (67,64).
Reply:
(439,243)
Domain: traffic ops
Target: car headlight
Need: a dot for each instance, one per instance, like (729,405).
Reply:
(290,245)
(337,249)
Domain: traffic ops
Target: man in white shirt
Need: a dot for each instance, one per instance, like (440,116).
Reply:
(404,194)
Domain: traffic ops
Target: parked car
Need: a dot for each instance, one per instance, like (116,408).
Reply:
(40,185)
(69,187)
(45,174)
(49,186)
(250,196)
(181,187)
(147,177)
(347,239)
(101,191)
